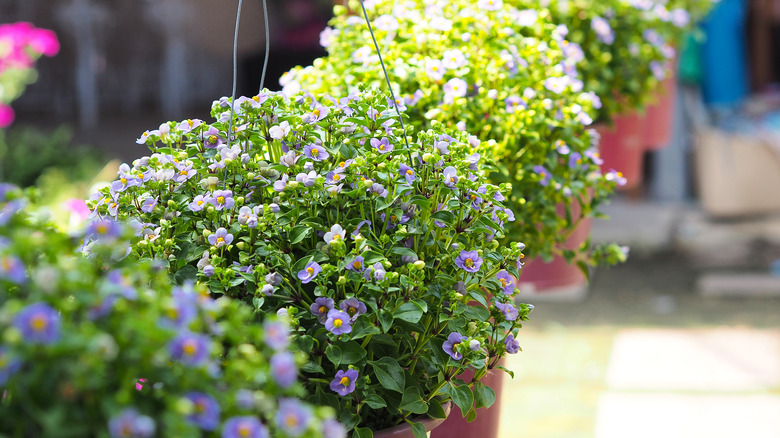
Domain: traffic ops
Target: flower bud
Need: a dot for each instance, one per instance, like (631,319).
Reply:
(367,183)
(184,406)
(386,264)
(163,222)
(342,280)
(168,243)
(228,161)
(419,265)
(250,175)
(241,245)
(293,185)
(428,157)
(210,209)
(171,203)
(206,233)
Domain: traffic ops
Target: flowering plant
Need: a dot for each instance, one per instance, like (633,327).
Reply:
(21,44)
(95,347)
(506,74)
(383,255)
(628,46)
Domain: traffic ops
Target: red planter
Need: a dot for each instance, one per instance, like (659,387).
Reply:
(622,148)
(657,130)
(557,276)
(486,423)
(404,430)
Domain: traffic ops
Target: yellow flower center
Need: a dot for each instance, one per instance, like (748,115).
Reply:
(469,262)
(435,68)
(336,177)
(101,228)
(503,281)
(220,240)
(352,311)
(5,262)
(200,202)
(173,313)
(337,323)
(323,309)
(345,381)
(183,172)
(542,174)
(244,430)
(473,197)
(291,420)
(357,264)
(190,122)
(220,199)
(315,151)
(316,112)
(212,139)
(310,270)
(190,347)
(256,98)
(123,180)
(410,172)
(39,322)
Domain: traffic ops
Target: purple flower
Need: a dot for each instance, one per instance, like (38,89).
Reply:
(603,30)
(353,307)
(383,145)
(450,176)
(333,177)
(200,202)
(220,238)
(310,272)
(336,233)
(575,160)
(12,269)
(149,205)
(315,152)
(277,335)
(356,264)
(406,172)
(469,261)
(206,415)
(39,323)
(511,344)
(360,225)
(453,88)
(377,272)
(614,175)
(508,310)
(514,103)
(321,307)
(333,429)
(281,183)
(223,199)
(658,70)
(344,382)
(211,138)
(379,189)
(178,315)
(556,85)
(307,179)
(544,174)
(9,365)
(507,282)
(103,229)
(292,417)
(338,322)
(130,424)
(451,344)
(283,369)
(244,427)
(191,349)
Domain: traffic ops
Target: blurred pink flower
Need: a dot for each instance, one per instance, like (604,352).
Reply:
(77,207)
(6,115)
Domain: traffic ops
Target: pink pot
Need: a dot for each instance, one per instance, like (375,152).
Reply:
(404,430)
(657,130)
(486,423)
(622,148)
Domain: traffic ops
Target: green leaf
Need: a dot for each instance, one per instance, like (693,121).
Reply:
(420,200)
(400,250)
(375,402)
(385,319)
(347,353)
(460,394)
(444,216)
(471,415)
(419,430)
(362,328)
(390,374)
(298,233)
(484,396)
(409,311)
(333,352)
(413,402)
(477,313)
(362,432)
(371,257)
(435,409)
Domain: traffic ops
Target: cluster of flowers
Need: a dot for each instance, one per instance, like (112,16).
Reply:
(296,204)
(116,346)
(507,73)
(21,44)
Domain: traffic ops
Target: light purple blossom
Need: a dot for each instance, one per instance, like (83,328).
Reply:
(356,264)
(511,344)
(39,323)
(333,177)
(223,199)
(469,261)
(310,272)
(544,174)
(316,152)
(280,131)
(307,179)
(406,172)
(344,382)
(377,272)
(506,281)
(338,322)
(220,238)
(191,349)
(453,59)
(212,139)
(149,205)
(12,269)
(508,310)
(556,85)
(383,145)
(450,176)
(450,346)
(333,429)
(353,307)
(277,334)
(321,307)
(614,175)
(327,36)
(283,369)
(603,30)
(575,160)
(199,202)
(293,417)
(281,183)
(130,424)
(244,427)
(435,69)
(206,415)
(360,225)
(514,103)
(455,87)
(490,5)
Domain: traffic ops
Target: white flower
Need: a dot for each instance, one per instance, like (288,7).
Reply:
(526,17)
(490,5)
(434,68)
(386,23)
(556,85)
(453,59)
(441,23)
(361,55)
(280,131)
(335,233)
(455,87)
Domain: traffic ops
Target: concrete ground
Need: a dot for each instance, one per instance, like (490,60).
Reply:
(658,347)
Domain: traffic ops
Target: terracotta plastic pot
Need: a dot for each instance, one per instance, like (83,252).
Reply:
(486,423)
(622,148)
(657,129)
(404,430)
(557,276)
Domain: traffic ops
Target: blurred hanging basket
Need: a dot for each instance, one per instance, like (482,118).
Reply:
(622,147)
